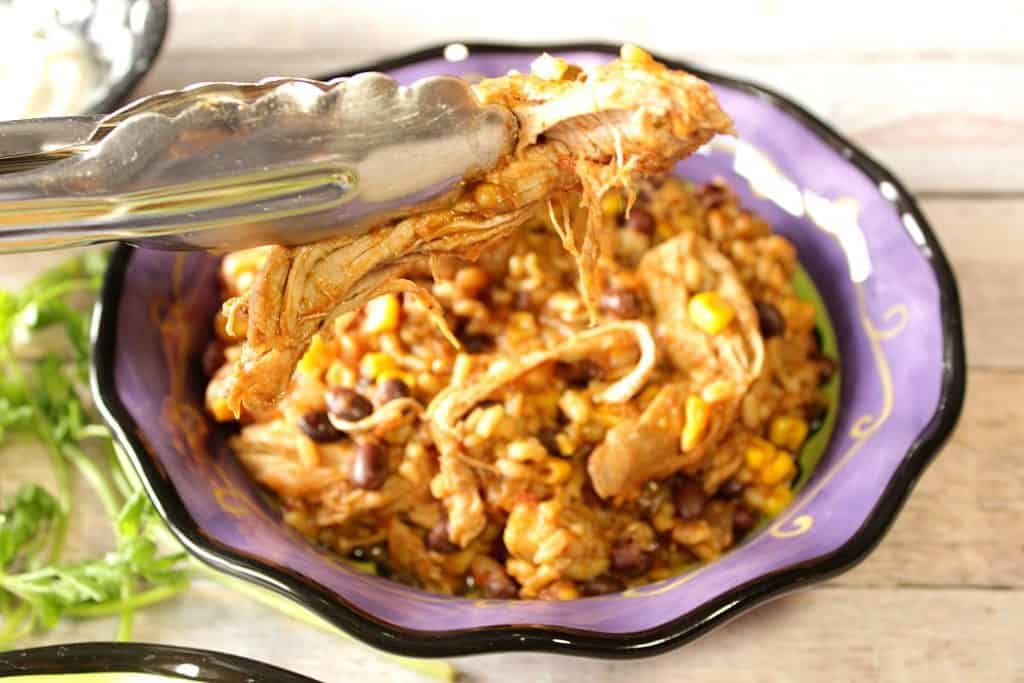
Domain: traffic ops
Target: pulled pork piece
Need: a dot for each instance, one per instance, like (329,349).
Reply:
(684,419)
(578,138)
(552,540)
(456,485)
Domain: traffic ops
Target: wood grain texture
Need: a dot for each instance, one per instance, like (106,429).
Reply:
(936,97)
(984,240)
(962,525)
(943,106)
(825,634)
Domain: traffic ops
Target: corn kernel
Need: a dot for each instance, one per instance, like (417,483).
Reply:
(718,391)
(309,452)
(382,314)
(562,590)
(575,405)
(612,204)
(316,358)
(558,471)
(549,68)
(788,432)
(375,364)
(631,53)
(759,453)
(697,414)
(710,312)
(663,518)
(340,375)
(489,419)
(220,410)
(566,445)
(778,499)
(780,469)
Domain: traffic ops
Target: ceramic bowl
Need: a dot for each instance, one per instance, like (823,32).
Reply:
(125,662)
(888,288)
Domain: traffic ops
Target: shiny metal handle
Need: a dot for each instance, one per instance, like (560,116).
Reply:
(228,165)
(29,143)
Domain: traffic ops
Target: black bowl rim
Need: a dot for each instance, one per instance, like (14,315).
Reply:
(493,639)
(141,658)
(152,42)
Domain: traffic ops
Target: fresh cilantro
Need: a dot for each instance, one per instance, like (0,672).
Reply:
(44,370)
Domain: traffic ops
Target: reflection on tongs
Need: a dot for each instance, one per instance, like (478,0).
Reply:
(224,166)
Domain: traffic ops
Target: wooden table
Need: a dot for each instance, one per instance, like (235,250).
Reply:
(936,95)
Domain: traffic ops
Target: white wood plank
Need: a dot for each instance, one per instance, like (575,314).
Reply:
(825,634)
(775,29)
(961,525)
(983,241)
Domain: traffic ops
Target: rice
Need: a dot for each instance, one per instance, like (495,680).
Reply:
(539,485)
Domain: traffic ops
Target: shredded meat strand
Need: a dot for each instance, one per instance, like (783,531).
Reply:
(638,451)
(606,129)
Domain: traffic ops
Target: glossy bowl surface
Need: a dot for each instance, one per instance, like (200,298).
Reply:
(123,662)
(890,294)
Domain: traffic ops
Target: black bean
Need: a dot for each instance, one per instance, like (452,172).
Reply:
(438,539)
(641,221)
(827,370)
(391,389)
(602,585)
(578,375)
(317,426)
(690,499)
(348,404)
(771,320)
(522,300)
(369,468)
(731,489)
(477,343)
(500,587)
(712,195)
(213,357)
(621,303)
(819,342)
(743,519)
(815,414)
(546,436)
(589,495)
(630,559)
(498,551)
(493,580)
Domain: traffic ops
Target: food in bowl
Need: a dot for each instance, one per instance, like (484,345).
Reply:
(621,398)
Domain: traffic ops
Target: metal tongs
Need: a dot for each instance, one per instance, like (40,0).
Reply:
(224,166)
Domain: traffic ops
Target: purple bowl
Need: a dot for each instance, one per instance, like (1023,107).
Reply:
(862,239)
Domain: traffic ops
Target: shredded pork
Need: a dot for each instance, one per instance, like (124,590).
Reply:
(580,135)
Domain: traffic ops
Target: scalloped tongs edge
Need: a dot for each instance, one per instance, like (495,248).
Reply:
(230,165)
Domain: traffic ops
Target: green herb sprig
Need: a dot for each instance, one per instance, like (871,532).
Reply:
(44,363)
(44,373)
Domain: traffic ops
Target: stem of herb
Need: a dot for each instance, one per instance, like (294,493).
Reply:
(133,602)
(92,474)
